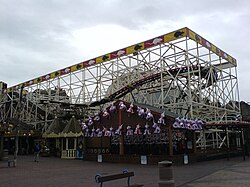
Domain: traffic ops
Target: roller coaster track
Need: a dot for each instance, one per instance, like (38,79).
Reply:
(130,87)
(133,85)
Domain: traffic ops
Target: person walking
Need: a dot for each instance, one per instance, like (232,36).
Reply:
(37,150)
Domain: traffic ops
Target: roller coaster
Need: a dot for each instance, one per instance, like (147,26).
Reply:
(179,71)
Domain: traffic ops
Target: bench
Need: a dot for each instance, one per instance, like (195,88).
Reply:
(125,174)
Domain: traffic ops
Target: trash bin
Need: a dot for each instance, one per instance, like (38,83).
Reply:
(166,174)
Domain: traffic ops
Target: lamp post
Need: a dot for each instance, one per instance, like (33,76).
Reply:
(16,146)
(1,140)
(17,127)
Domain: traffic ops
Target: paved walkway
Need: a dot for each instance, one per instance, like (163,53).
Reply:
(53,172)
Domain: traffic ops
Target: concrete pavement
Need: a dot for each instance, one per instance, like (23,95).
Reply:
(53,172)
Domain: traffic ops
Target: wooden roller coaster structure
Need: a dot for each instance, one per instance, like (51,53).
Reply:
(179,71)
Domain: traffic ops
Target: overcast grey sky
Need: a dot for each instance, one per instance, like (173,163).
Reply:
(41,36)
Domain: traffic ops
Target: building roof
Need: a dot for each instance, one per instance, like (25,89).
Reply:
(72,129)
(55,128)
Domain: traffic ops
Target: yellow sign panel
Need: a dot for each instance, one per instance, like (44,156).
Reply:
(39,79)
(175,35)
(230,59)
(73,68)
(213,48)
(55,74)
(35,81)
(191,35)
(234,61)
(135,48)
(76,67)
(102,58)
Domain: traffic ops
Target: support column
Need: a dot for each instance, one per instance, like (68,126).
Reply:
(194,142)
(1,147)
(243,144)
(67,144)
(75,143)
(170,136)
(27,145)
(61,144)
(16,150)
(121,137)
(121,145)
(227,140)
